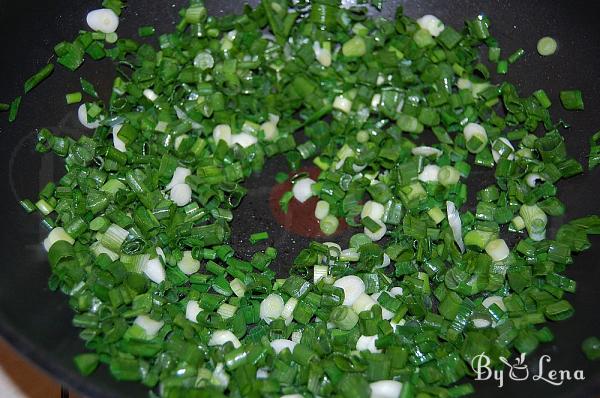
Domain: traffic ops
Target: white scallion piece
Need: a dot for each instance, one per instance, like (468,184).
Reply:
(489,301)
(288,310)
(375,101)
(178,140)
(161,127)
(496,154)
(367,343)
(321,209)
(385,389)
(238,287)
(220,378)
(179,176)
(464,84)
(481,323)
(532,179)
(302,189)
(204,60)
(118,143)
(292,396)
(262,373)
(271,307)
(83,118)
(244,140)
(372,209)
(55,235)
(323,54)
(432,24)
(188,264)
(149,325)
(377,235)
(364,302)
(430,173)
(192,309)
(150,95)
(396,291)
(281,344)
(155,270)
(181,194)
(342,103)
(385,262)
(97,248)
(385,313)
(334,249)
(472,131)
(159,251)
(497,249)
(319,272)
(226,310)
(350,254)
(353,287)
(103,20)
(426,151)
(455,224)
(222,132)
(220,337)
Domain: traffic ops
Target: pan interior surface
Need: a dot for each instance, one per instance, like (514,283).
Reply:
(37,321)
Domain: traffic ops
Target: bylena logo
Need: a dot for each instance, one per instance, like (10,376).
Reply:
(519,371)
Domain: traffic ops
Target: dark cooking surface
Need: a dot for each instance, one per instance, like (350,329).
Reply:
(37,321)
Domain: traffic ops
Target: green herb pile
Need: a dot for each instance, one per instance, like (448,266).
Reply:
(161,297)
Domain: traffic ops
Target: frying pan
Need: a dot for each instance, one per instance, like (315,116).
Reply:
(37,322)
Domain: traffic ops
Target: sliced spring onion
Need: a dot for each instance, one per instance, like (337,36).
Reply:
(497,249)
(179,176)
(57,234)
(455,224)
(386,389)
(271,307)
(535,221)
(367,343)
(103,20)
(238,287)
(430,173)
(321,209)
(155,271)
(149,325)
(572,100)
(181,194)
(476,137)
(221,337)
(302,189)
(192,310)
(373,210)
(39,77)
(432,24)
(188,265)
(279,345)
(353,287)
(546,46)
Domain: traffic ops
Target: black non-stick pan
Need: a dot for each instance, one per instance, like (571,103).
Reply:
(37,322)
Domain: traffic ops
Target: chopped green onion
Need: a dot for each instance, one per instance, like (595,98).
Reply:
(14,109)
(39,77)
(73,98)
(546,46)
(329,224)
(591,348)
(259,236)
(572,100)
